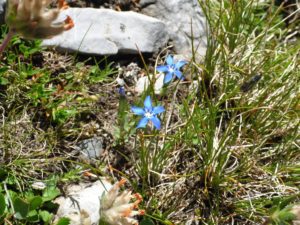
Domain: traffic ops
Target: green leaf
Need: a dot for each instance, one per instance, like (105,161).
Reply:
(63,221)
(32,216)
(3,81)
(147,221)
(45,215)
(61,115)
(102,222)
(3,174)
(2,204)
(3,69)
(35,202)
(286,216)
(285,201)
(50,193)
(21,208)
(50,206)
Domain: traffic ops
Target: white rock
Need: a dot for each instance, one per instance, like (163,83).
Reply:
(141,85)
(108,32)
(83,206)
(120,81)
(144,82)
(39,185)
(159,83)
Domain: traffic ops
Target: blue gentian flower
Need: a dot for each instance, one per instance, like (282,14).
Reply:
(121,91)
(148,113)
(171,69)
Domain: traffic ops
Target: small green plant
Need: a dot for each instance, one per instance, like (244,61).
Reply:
(97,75)
(32,206)
(281,212)
(124,126)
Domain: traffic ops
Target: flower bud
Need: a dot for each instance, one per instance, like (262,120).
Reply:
(117,208)
(33,20)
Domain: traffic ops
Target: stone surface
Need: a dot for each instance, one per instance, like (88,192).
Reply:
(180,16)
(131,73)
(38,185)
(82,204)
(91,148)
(143,83)
(296,211)
(108,32)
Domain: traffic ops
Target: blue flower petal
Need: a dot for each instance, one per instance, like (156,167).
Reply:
(156,122)
(180,64)
(168,78)
(162,69)
(158,109)
(147,103)
(122,91)
(137,110)
(178,74)
(143,122)
(169,60)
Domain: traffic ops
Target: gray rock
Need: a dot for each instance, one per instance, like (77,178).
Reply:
(2,11)
(180,16)
(108,32)
(131,73)
(91,148)
(144,3)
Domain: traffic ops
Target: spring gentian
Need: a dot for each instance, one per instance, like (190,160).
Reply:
(148,113)
(171,69)
(121,91)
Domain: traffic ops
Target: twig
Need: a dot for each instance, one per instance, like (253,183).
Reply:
(9,198)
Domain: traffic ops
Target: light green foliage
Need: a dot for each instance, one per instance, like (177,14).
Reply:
(60,98)
(27,206)
(124,129)
(63,221)
(280,212)
(2,204)
(97,75)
